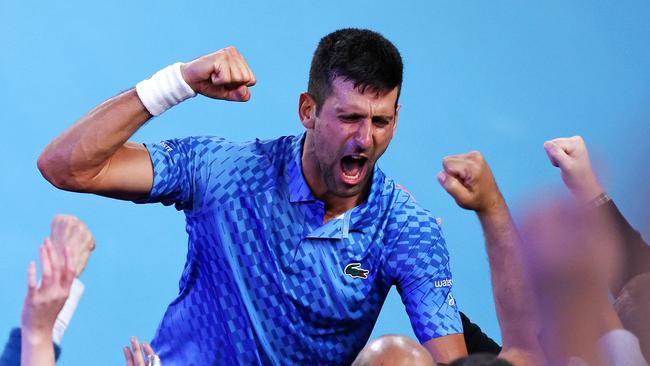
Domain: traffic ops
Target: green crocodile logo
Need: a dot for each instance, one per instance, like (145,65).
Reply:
(354,270)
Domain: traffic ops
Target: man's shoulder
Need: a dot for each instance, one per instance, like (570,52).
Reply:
(213,149)
(403,212)
(400,202)
(215,144)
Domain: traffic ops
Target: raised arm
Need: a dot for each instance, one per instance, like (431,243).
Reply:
(571,156)
(95,156)
(468,179)
(42,304)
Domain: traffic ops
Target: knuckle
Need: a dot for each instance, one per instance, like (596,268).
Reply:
(475,154)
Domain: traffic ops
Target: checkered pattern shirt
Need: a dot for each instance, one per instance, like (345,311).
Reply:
(266,282)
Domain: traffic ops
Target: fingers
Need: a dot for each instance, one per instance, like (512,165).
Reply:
(46,267)
(56,272)
(138,359)
(465,167)
(241,94)
(66,228)
(233,74)
(224,74)
(68,269)
(148,351)
(128,357)
(56,264)
(458,166)
(569,144)
(69,231)
(453,185)
(469,180)
(230,68)
(221,74)
(31,277)
(561,150)
(556,154)
(241,73)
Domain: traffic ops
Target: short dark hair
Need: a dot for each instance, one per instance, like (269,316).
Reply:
(359,55)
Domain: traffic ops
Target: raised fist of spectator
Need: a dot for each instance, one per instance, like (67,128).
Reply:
(69,231)
(571,156)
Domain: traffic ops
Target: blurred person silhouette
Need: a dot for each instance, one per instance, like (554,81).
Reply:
(67,233)
(571,156)
(571,254)
(631,285)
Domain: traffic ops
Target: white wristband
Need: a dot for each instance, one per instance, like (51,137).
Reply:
(164,89)
(66,313)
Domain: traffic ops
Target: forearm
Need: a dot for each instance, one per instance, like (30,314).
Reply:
(635,251)
(512,293)
(37,348)
(80,154)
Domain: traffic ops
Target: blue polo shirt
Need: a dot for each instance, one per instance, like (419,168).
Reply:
(266,282)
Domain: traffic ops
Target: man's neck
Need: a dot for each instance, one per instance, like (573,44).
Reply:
(336,206)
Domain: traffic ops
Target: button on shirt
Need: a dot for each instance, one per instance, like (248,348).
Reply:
(266,282)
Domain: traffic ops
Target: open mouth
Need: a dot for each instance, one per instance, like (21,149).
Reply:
(353,168)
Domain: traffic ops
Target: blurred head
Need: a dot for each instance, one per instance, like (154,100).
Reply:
(350,110)
(567,244)
(394,350)
(571,255)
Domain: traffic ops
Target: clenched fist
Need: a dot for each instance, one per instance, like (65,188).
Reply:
(68,231)
(468,179)
(220,75)
(571,156)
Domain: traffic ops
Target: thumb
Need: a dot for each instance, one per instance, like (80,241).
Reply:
(240,94)
(555,154)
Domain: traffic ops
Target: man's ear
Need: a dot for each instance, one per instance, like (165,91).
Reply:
(396,115)
(307,110)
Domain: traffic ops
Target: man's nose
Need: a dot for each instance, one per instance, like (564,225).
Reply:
(363,136)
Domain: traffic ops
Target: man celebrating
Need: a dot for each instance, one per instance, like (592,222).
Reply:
(294,243)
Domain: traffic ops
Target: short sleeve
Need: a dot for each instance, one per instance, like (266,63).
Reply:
(178,165)
(420,266)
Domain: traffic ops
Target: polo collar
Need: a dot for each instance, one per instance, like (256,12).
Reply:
(298,189)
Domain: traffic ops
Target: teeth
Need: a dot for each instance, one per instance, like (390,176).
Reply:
(352,176)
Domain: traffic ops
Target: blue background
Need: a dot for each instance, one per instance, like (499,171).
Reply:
(496,76)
